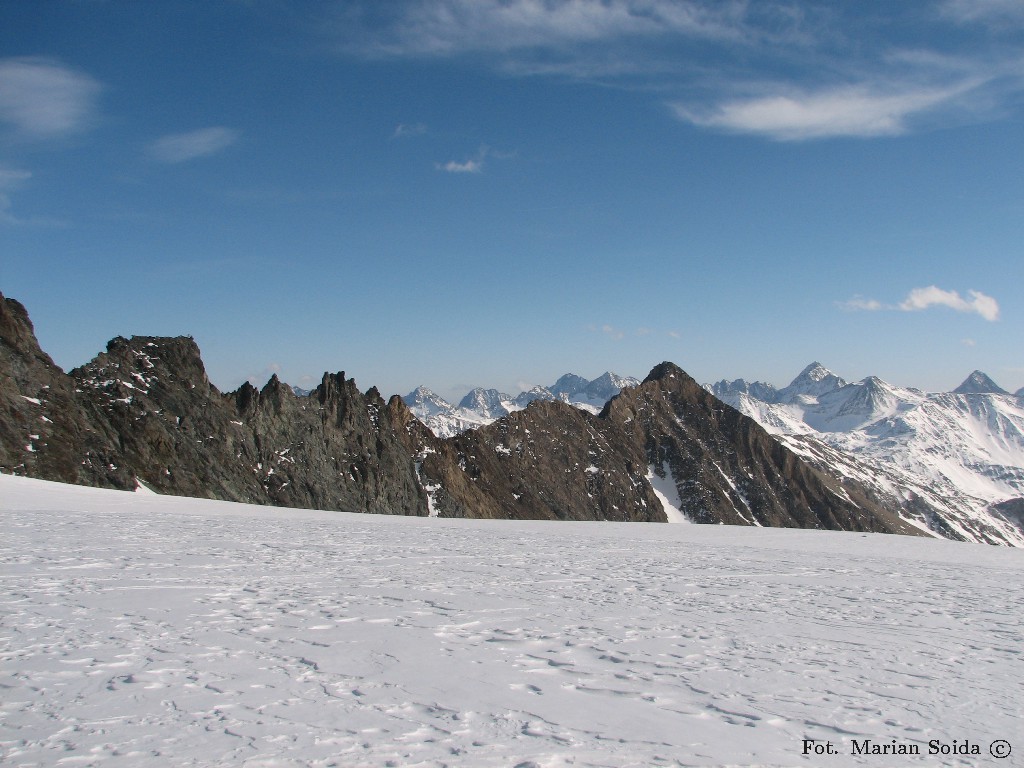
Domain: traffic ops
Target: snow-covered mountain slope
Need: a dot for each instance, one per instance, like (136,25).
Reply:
(484,406)
(814,381)
(445,419)
(489,403)
(152,631)
(947,458)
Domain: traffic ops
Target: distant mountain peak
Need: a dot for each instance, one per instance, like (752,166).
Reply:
(569,384)
(488,402)
(815,380)
(814,372)
(979,383)
(757,389)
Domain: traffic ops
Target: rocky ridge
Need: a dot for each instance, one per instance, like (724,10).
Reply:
(144,413)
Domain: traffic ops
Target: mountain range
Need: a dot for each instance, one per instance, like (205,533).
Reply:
(143,414)
(482,406)
(954,461)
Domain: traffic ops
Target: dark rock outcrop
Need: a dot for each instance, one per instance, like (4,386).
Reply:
(549,461)
(728,469)
(46,430)
(144,411)
(554,461)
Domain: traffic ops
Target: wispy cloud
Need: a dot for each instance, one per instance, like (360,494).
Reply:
(10,179)
(470,165)
(403,130)
(920,299)
(180,147)
(781,70)
(984,10)
(858,303)
(451,27)
(42,98)
(616,333)
(848,111)
(466,166)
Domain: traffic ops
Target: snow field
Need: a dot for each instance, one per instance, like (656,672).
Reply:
(151,631)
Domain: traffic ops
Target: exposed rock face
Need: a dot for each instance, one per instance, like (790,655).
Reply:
(45,429)
(554,461)
(335,449)
(549,461)
(728,469)
(145,411)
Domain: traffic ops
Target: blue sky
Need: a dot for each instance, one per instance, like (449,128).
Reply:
(494,192)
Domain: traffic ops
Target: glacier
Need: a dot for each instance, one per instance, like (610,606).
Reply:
(151,630)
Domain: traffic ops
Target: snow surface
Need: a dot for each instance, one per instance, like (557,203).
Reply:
(143,630)
(667,491)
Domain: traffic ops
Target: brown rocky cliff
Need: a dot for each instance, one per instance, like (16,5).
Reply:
(45,428)
(728,469)
(145,409)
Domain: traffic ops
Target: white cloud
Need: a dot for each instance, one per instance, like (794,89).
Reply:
(10,179)
(471,165)
(923,298)
(468,166)
(931,296)
(42,98)
(859,303)
(984,10)
(781,69)
(403,130)
(179,147)
(448,27)
(849,111)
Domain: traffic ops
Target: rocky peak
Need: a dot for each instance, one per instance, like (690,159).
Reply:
(424,398)
(488,402)
(568,384)
(608,385)
(727,468)
(757,389)
(18,343)
(814,381)
(523,399)
(979,383)
(45,427)
(665,370)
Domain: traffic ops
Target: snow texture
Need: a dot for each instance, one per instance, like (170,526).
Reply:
(151,631)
